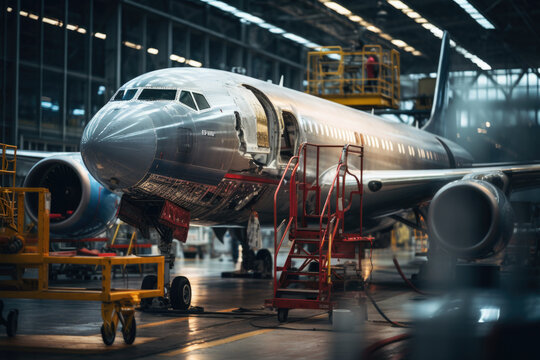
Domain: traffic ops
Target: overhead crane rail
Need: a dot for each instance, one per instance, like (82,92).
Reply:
(363,79)
(24,245)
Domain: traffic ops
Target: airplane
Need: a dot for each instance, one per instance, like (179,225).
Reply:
(204,146)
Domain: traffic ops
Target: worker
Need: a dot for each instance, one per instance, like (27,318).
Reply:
(372,70)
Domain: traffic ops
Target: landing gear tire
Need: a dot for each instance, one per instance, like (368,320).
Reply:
(12,323)
(264,256)
(129,330)
(180,295)
(108,334)
(282,315)
(149,283)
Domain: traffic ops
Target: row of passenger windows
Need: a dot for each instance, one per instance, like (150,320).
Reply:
(413,151)
(194,100)
(371,141)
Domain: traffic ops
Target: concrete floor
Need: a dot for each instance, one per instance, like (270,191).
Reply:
(63,329)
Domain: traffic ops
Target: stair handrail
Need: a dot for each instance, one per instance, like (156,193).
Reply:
(292,209)
(339,214)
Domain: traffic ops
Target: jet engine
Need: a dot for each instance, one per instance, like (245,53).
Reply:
(470,219)
(80,206)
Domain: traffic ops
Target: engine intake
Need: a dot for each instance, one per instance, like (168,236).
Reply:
(470,219)
(80,206)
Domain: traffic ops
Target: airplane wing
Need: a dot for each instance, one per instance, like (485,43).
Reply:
(519,176)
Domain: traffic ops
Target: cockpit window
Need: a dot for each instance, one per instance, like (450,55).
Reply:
(118,96)
(124,95)
(187,99)
(129,94)
(201,101)
(157,94)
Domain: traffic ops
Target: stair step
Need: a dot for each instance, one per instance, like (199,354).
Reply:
(304,256)
(311,228)
(299,291)
(305,273)
(308,241)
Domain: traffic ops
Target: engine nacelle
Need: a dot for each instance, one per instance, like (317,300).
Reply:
(80,206)
(470,219)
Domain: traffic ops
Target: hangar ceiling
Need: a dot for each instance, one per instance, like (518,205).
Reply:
(513,43)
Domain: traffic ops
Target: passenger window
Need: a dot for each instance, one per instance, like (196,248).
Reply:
(201,101)
(187,99)
(157,94)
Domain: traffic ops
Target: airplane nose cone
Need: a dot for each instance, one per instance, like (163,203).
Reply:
(118,148)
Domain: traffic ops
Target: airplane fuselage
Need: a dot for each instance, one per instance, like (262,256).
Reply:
(222,161)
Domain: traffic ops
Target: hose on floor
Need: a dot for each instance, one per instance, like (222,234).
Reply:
(395,323)
(407,281)
(368,352)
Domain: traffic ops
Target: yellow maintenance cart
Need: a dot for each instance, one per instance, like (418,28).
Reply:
(24,248)
(363,79)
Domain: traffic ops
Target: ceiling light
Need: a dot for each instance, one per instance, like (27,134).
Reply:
(33,16)
(100,35)
(408,49)
(399,43)
(152,51)
(247,18)
(51,21)
(129,44)
(475,14)
(398,4)
(194,63)
(373,29)
(337,8)
(81,30)
(71,27)
(386,36)
(277,30)
(9,9)
(23,13)
(355,18)
(177,58)
(439,33)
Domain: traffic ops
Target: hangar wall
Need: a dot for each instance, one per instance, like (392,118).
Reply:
(61,60)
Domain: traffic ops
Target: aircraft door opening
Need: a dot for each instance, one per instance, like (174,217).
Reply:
(289,137)
(267,126)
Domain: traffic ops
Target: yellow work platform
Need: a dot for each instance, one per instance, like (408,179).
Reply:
(361,79)
(24,244)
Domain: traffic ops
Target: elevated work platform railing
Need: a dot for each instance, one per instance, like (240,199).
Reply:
(25,243)
(368,78)
(316,233)
(8,170)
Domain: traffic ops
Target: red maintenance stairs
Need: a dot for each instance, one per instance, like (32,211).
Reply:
(316,234)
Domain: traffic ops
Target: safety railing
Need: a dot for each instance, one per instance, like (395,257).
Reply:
(7,196)
(369,73)
(292,167)
(331,220)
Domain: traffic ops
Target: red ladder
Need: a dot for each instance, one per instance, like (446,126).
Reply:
(310,286)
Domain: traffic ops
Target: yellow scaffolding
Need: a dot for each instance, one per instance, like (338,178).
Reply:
(343,76)
(31,251)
